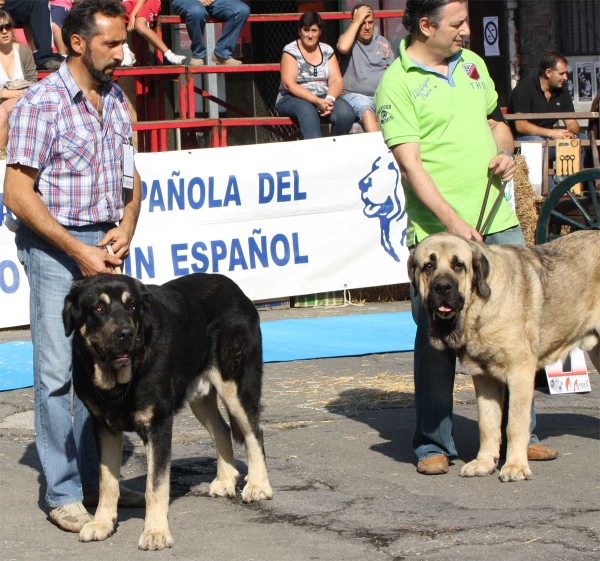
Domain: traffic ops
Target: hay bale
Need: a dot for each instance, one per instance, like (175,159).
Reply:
(526,202)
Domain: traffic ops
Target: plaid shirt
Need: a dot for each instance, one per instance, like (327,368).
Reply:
(56,130)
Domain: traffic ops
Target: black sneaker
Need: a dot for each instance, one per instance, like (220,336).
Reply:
(52,64)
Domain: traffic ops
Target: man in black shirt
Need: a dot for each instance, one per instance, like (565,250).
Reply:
(545,93)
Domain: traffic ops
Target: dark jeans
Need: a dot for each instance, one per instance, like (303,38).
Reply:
(37,15)
(306,115)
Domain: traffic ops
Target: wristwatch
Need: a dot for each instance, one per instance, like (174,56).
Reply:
(512,156)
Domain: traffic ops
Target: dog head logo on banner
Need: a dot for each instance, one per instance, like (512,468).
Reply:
(383,198)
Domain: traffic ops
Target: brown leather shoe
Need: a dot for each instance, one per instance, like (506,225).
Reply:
(434,465)
(128,498)
(539,453)
(197,62)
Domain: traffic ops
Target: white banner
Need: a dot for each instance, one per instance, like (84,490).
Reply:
(280,219)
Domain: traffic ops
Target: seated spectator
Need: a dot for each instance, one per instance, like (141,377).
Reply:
(36,14)
(142,16)
(311,82)
(545,93)
(16,64)
(364,59)
(58,12)
(195,13)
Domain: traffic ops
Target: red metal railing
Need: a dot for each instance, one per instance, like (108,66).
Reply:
(151,109)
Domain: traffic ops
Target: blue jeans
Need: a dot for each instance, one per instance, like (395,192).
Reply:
(306,115)
(37,15)
(434,377)
(66,447)
(233,12)
(360,103)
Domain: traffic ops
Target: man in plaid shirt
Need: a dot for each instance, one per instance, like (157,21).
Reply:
(70,180)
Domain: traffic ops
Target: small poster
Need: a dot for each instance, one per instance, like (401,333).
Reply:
(584,81)
(491,37)
(570,83)
(597,74)
(570,377)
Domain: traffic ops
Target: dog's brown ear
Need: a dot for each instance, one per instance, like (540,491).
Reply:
(71,308)
(412,266)
(481,269)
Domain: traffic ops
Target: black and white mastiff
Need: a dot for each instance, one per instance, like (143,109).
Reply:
(141,352)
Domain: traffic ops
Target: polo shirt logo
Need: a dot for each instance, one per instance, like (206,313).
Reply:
(383,115)
(471,69)
(423,90)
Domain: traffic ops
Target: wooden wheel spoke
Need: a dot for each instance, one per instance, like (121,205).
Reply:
(563,211)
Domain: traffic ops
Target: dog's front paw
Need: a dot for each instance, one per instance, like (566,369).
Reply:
(96,531)
(515,472)
(478,468)
(257,492)
(223,488)
(153,541)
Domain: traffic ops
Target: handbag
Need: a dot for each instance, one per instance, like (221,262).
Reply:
(18,84)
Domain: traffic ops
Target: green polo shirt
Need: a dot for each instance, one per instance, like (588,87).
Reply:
(447,116)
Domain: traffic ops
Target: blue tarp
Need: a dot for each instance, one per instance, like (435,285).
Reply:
(283,340)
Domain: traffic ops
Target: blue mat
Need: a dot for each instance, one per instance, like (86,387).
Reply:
(284,340)
(364,334)
(16,365)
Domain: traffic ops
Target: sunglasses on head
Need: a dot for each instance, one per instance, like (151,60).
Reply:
(5,27)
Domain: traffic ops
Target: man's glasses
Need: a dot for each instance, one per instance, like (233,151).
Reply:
(5,27)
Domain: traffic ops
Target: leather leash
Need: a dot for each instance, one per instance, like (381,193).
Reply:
(110,252)
(497,202)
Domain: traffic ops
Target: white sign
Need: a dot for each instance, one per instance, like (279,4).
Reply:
(491,36)
(533,152)
(280,219)
(574,380)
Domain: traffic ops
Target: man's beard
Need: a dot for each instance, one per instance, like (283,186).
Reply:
(99,75)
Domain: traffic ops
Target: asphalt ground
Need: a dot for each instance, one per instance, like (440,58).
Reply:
(338,441)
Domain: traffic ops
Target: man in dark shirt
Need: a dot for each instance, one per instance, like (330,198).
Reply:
(545,93)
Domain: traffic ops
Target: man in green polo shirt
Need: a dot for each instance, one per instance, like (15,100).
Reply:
(437,109)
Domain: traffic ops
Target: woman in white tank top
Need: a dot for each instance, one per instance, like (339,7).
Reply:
(16,63)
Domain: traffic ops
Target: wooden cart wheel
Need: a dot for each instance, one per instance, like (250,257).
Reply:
(563,212)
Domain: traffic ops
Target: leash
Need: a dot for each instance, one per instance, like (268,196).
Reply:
(110,252)
(497,202)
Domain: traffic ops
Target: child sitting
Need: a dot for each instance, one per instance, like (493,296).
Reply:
(142,15)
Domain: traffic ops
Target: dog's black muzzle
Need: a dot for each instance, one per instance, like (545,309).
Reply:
(445,299)
(119,345)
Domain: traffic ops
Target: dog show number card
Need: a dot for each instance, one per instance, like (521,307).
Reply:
(576,380)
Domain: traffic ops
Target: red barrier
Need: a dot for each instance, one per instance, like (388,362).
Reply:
(151,123)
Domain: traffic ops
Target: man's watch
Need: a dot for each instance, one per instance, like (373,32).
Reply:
(512,156)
